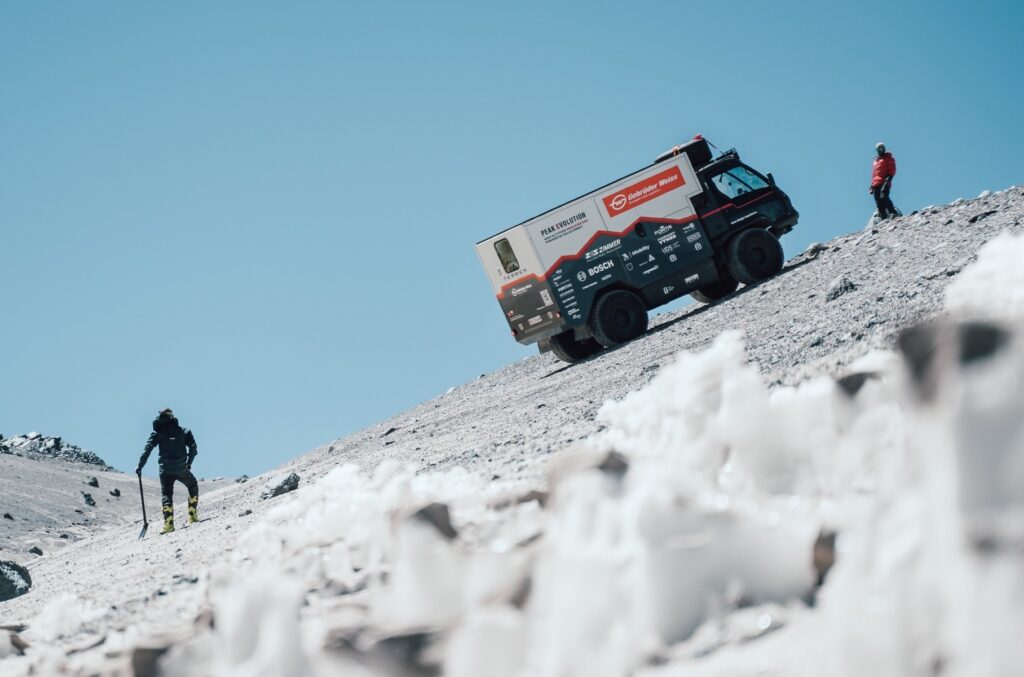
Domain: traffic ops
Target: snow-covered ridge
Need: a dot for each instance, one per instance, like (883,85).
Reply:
(35,445)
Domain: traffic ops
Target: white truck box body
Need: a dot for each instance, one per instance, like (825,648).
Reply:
(566,230)
(563,257)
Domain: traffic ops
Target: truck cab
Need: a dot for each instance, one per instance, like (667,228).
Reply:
(735,194)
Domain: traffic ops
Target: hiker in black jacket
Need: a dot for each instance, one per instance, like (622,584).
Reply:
(177,451)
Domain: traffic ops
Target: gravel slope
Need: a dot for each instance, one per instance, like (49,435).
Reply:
(46,501)
(508,424)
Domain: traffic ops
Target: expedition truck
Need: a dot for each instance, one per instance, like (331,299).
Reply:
(582,276)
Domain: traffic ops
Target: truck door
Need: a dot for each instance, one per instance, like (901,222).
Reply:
(745,197)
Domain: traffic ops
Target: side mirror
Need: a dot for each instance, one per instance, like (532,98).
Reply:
(771,179)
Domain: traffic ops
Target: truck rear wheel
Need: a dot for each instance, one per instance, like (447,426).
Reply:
(568,349)
(618,316)
(720,288)
(754,255)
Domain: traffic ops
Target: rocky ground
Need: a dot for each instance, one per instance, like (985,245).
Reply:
(831,305)
(35,445)
(48,502)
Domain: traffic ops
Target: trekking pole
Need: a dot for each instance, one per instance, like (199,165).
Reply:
(145,523)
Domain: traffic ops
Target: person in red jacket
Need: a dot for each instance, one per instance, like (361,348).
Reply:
(882,172)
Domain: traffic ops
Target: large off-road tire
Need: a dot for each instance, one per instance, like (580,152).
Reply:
(754,255)
(720,288)
(568,349)
(618,316)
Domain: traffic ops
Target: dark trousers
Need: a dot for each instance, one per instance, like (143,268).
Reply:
(167,486)
(882,202)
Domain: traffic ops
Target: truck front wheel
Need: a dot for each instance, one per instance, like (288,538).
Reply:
(754,255)
(618,316)
(720,288)
(568,349)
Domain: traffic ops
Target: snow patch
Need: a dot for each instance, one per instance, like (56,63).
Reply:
(63,616)
(258,626)
(992,286)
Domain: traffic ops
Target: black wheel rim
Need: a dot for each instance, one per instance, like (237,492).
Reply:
(622,323)
(622,319)
(758,258)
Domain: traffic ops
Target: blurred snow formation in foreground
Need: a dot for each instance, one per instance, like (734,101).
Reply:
(994,285)
(695,535)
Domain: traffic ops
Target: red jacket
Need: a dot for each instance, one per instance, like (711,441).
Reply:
(884,168)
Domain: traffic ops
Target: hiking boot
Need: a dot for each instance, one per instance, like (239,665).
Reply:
(193,509)
(168,520)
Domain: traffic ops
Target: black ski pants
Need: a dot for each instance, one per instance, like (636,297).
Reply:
(884,205)
(167,486)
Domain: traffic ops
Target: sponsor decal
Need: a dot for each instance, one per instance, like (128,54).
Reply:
(693,237)
(666,238)
(603,249)
(743,218)
(692,279)
(515,274)
(662,229)
(643,191)
(641,250)
(545,296)
(667,290)
(581,276)
(601,267)
(521,290)
(564,227)
(536,319)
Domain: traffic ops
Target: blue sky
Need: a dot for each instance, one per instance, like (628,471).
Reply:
(263,214)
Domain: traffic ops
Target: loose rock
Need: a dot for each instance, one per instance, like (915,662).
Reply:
(11,644)
(36,550)
(93,482)
(281,484)
(437,516)
(814,249)
(839,286)
(145,658)
(7,516)
(851,384)
(89,500)
(116,493)
(14,580)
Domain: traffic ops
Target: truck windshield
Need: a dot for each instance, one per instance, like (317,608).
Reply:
(505,254)
(737,181)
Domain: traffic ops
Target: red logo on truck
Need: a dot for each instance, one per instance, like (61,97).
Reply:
(644,191)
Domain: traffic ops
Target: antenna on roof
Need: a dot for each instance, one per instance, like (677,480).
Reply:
(709,143)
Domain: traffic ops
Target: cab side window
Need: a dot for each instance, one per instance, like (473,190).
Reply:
(507,257)
(737,181)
